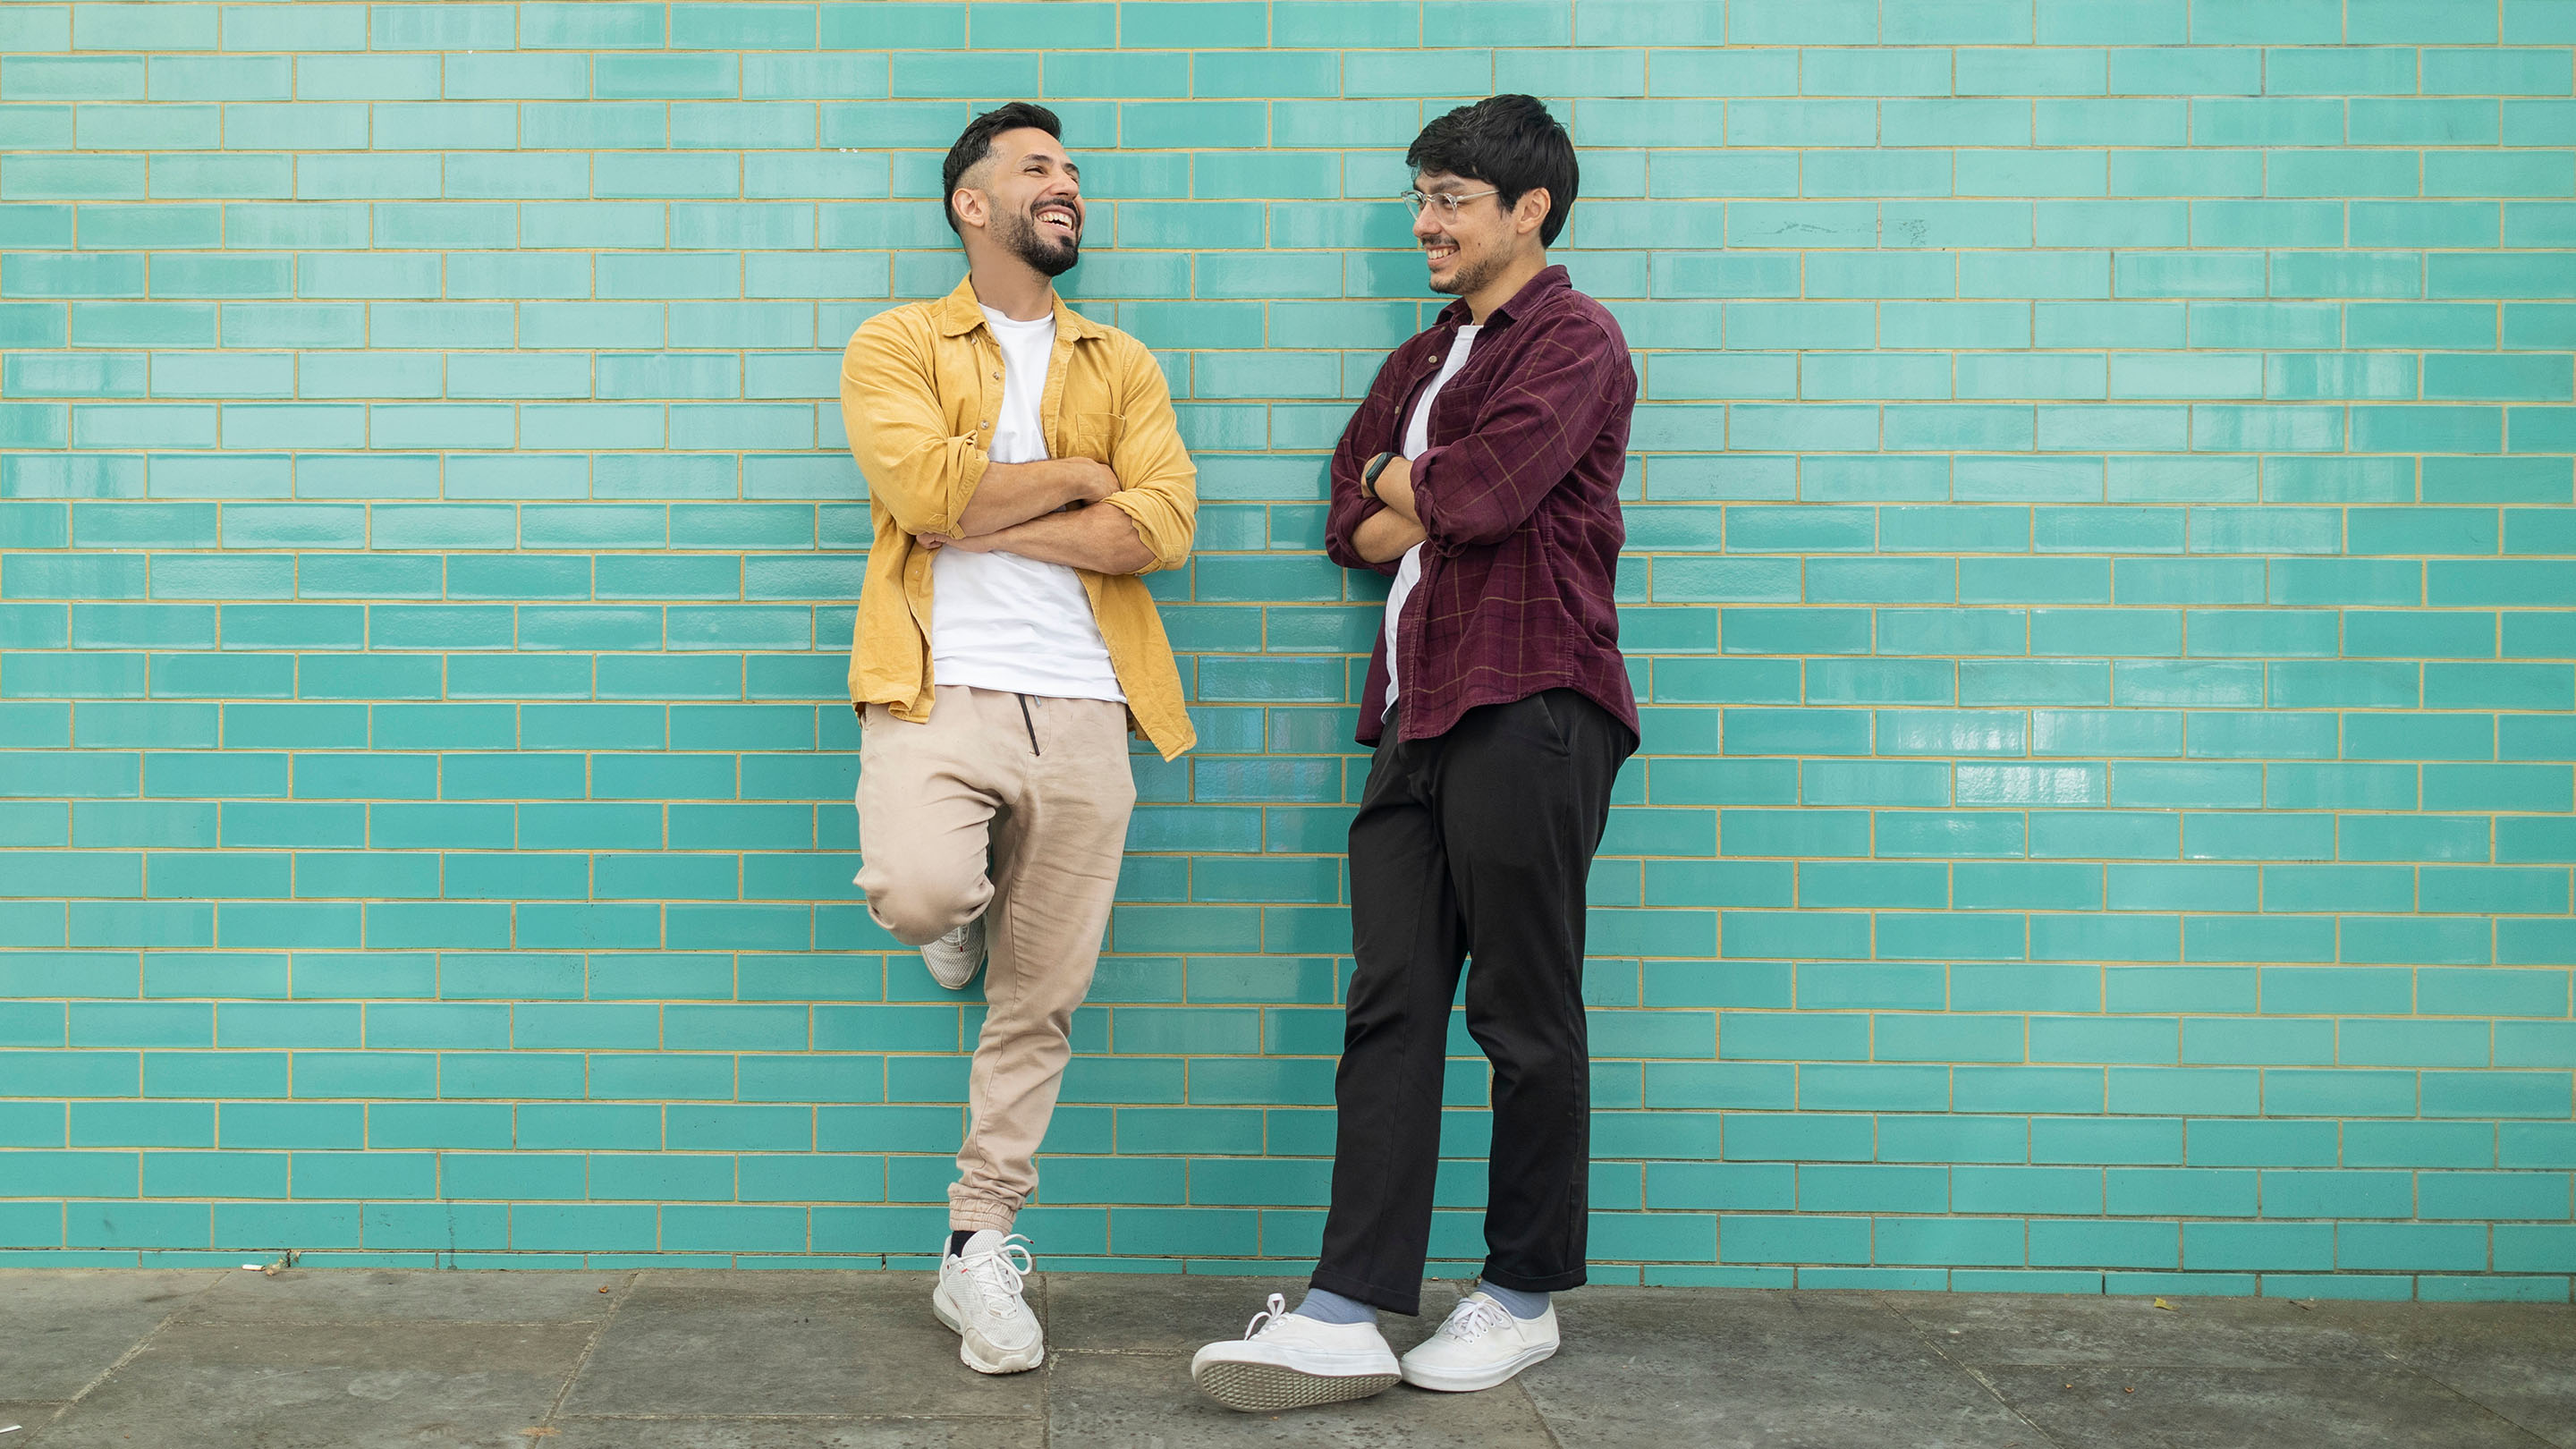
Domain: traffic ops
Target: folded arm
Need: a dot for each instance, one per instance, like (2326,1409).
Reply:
(1101,539)
(1390,532)
(932,480)
(1146,518)
(1014,493)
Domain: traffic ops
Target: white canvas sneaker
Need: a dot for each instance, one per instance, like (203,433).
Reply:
(953,958)
(1479,1346)
(979,1296)
(1284,1361)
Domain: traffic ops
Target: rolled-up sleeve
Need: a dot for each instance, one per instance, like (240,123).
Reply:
(922,473)
(1157,483)
(1526,439)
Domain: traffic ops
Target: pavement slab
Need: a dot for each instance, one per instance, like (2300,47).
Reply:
(327,1386)
(791,1433)
(792,1342)
(66,1326)
(359,1295)
(26,1416)
(1661,1367)
(2518,1359)
(1979,1328)
(2389,1407)
(821,1359)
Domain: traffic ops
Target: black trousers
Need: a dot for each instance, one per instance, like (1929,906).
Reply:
(1477,841)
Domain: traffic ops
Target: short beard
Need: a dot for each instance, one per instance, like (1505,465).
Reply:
(1470,276)
(1018,234)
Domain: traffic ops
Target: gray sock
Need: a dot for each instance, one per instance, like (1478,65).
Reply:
(1522,1305)
(1325,1306)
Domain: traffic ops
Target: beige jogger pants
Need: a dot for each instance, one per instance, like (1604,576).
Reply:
(1043,785)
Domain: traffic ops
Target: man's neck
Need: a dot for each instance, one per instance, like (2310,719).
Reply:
(1013,288)
(1482,302)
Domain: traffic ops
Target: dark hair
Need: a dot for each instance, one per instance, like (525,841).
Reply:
(1511,144)
(975,145)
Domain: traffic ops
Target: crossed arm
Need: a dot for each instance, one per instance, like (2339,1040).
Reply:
(1042,511)
(1128,515)
(1388,534)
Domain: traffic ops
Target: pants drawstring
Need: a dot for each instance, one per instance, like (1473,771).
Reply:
(1032,724)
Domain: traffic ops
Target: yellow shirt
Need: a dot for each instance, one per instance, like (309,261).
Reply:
(921,386)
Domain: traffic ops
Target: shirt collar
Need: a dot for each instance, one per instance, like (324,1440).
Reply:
(1537,289)
(959,313)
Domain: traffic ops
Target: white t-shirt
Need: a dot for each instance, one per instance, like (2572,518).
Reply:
(1417,439)
(1000,621)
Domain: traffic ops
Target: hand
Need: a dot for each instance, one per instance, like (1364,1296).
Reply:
(1394,488)
(1095,479)
(934,542)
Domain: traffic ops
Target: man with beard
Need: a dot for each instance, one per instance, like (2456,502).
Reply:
(1023,466)
(1482,473)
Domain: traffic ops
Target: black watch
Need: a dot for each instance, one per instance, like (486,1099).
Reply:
(1369,472)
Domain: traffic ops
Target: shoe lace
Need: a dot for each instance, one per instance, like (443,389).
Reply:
(1277,1310)
(997,1271)
(1473,1318)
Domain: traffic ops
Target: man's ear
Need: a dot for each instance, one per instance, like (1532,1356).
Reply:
(1531,210)
(970,207)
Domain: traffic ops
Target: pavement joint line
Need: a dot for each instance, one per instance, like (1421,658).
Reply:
(1538,1415)
(616,1300)
(2446,1386)
(1975,1374)
(213,1281)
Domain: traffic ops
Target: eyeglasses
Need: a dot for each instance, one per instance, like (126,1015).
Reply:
(1446,202)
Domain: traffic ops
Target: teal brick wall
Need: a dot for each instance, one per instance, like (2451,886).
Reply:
(2101,556)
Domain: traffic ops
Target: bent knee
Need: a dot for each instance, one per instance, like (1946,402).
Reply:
(916,909)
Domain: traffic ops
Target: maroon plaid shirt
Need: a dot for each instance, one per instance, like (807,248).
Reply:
(1519,494)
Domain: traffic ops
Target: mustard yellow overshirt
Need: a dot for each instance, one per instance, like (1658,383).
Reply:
(921,386)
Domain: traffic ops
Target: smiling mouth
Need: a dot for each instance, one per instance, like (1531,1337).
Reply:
(1438,254)
(1059,215)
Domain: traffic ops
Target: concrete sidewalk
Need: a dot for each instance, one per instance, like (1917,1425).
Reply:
(352,1359)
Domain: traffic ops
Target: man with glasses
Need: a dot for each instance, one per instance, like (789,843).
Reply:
(1482,473)
(1023,464)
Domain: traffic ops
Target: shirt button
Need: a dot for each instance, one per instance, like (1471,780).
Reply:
(997,377)
(986,424)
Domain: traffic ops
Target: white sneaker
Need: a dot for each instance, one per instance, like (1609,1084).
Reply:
(1291,1362)
(952,958)
(1479,1346)
(979,1296)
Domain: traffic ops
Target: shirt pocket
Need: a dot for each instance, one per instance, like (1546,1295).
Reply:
(1091,435)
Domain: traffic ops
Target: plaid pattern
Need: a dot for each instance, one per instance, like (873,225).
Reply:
(1519,493)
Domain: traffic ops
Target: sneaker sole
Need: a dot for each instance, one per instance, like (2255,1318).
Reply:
(1468,1383)
(974,1351)
(1258,1388)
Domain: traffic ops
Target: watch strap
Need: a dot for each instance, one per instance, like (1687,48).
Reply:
(1369,472)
